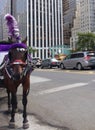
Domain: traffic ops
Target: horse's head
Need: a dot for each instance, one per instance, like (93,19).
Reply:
(17,60)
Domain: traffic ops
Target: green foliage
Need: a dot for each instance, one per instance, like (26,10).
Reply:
(86,41)
(31,50)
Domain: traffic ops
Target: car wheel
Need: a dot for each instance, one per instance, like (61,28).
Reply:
(58,66)
(49,66)
(42,67)
(79,66)
(62,66)
(92,67)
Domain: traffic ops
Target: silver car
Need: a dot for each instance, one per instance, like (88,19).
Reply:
(79,60)
(49,63)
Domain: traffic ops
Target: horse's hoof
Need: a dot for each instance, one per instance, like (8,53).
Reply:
(25,125)
(11,124)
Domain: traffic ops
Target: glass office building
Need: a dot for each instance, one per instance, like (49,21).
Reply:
(69,9)
(20,12)
(4,8)
(46,26)
(40,20)
(18,8)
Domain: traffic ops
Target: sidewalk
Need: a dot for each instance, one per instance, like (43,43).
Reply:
(34,123)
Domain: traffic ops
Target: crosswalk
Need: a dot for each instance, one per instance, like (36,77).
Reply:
(61,88)
(36,79)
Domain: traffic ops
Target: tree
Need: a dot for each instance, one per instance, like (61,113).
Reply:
(86,41)
(31,50)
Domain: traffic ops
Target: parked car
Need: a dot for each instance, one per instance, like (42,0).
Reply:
(37,62)
(49,63)
(79,60)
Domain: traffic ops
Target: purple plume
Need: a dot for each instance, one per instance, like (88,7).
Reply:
(13,28)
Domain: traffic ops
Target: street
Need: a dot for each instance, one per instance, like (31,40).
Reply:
(65,99)
(58,100)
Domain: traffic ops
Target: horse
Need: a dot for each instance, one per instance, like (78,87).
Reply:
(16,71)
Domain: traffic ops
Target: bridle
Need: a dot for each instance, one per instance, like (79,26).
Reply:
(10,72)
(18,62)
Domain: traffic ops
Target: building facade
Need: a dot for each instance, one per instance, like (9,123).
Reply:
(42,23)
(18,8)
(46,26)
(4,9)
(19,11)
(85,20)
(76,27)
(69,9)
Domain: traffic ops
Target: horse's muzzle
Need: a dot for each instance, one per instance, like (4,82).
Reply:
(17,76)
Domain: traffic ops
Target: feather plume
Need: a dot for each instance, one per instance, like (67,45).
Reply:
(13,30)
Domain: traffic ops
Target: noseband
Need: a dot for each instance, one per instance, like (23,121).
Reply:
(27,68)
(18,62)
(10,72)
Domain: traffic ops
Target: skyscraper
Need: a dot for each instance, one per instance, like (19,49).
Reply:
(19,11)
(4,8)
(76,27)
(87,10)
(85,20)
(46,25)
(18,8)
(69,9)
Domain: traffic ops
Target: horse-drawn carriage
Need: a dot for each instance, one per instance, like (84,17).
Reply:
(15,69)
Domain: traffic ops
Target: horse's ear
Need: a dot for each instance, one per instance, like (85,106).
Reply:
(25,40)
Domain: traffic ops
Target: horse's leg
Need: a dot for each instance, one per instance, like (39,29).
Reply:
(9,100)
(14,106)
(24,101)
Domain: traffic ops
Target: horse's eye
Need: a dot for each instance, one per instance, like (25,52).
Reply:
(22,49)
(17,49)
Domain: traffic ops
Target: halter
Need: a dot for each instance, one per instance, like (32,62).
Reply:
(18,62)
(8,68)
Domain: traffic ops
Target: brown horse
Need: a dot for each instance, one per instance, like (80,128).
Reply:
(17,71)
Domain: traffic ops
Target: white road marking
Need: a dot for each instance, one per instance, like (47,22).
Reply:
(61,88)
(36,79)
(93,80)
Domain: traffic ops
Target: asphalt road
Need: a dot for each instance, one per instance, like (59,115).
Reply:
(65,99)
(58,100)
